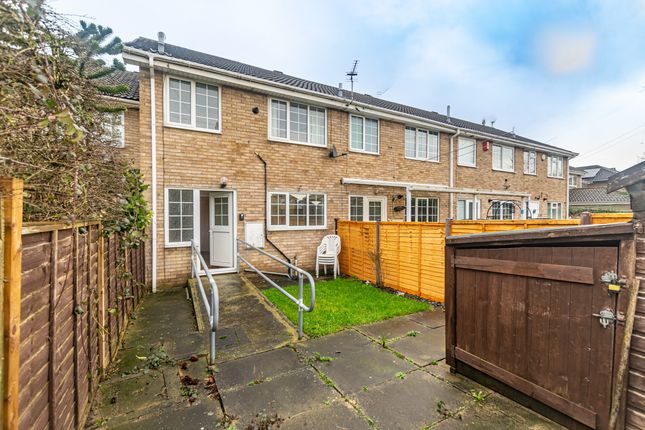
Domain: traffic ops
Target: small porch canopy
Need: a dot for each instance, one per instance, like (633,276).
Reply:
(438,188)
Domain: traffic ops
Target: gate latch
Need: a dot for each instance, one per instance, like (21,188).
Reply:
(610,279)
(606,317)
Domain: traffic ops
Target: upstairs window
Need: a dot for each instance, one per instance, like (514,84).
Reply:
(297,211)
(421,144)
(529,162)
(424,209)
(298,123)
(554,166)
(502,210)
(503,158)
(113,129)
(572,181)
(466,152)
(193,105)
(363,134)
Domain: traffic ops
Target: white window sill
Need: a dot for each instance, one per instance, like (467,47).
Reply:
(359,151)
(295,142)
(555,177)
(423,159)
(191,128)
(177,245)
(467,165)
(530,174)
(503,170)
(289,228)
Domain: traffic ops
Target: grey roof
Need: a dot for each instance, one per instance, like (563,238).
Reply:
(580,196)
(178,52)
(596,173)
(119,77)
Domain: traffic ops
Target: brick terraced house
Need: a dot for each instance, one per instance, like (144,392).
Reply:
(235,151)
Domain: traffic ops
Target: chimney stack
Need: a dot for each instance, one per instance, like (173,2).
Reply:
(448,112)
(161,42)
(340,89)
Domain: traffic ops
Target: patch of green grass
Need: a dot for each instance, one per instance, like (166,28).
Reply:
(342,303)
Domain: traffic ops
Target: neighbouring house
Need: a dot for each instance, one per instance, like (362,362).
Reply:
(250,153)
(595,176)
(588,191)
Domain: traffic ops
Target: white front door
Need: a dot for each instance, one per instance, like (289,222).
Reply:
(534,209)
(221,229)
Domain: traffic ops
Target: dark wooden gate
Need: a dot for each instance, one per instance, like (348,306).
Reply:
(523,313)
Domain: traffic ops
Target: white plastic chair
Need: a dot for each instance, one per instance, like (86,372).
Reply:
(327,254)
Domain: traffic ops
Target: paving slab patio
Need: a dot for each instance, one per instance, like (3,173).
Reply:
(347,380)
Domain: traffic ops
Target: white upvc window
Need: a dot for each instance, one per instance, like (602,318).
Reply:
(193,105)
(530,163)
(555,210)
(502,210)
(554,166)
(297,211)
(179,220)
(295,122)
(365,208)
(363,134)
(468,209)
(114,128)
(421,144)
(424,209)
(503,158)
(467,152)
(572,181)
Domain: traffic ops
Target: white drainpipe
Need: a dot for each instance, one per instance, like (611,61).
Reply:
(565,210)
(451,176)
(408,204)
(153,162)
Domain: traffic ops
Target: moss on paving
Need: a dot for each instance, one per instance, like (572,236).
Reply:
(342,303)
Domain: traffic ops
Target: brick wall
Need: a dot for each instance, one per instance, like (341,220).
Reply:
(195,159)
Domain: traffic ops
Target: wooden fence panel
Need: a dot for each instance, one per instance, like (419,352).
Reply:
(411,255)
(610,218)
(63,271)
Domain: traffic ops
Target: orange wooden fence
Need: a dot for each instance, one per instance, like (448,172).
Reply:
(409,256)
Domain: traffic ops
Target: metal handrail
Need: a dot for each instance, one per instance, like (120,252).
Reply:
(212,308)
(301,273)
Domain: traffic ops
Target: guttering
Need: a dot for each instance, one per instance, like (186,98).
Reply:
(153,163)
(414,186)
(126,102)
(137,56)
(451,175)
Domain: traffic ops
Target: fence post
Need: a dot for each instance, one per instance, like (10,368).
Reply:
(103,362)
(586,218)
(12,217)
(53,291)
(377,255)
(448,226)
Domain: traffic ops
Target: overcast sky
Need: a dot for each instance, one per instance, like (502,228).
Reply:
(571,74)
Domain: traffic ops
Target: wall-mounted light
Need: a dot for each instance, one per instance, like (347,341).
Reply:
(543,156)
(255,110)
(223,182)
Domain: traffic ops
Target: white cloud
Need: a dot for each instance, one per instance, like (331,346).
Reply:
(564,51)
